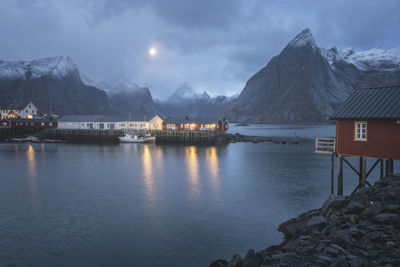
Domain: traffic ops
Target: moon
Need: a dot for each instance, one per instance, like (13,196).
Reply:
(152,51)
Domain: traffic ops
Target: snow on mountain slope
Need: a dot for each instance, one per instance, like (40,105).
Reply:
(376,58)
(58,66)
(118,83)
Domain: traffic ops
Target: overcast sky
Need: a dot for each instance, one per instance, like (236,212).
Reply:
(212,45)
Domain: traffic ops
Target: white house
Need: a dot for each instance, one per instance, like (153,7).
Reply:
(17,110)
(104,122)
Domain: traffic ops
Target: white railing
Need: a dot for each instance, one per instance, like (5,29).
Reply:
(325,145)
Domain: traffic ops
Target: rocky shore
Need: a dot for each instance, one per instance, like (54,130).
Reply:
(234,138)
(361,230)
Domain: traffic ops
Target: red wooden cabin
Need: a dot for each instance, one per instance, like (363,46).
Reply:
(367,126)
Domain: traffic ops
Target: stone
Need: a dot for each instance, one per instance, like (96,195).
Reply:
(236,261)
(252,259)
(374,209)
(390,218)
(324,258)
(354,207)
(353,218)
(219,263)
(317,222)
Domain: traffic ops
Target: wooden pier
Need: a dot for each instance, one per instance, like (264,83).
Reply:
(111,136)
(171,136)
(8,133)
(83,136)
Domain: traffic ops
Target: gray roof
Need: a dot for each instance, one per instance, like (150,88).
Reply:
(101,118)
(183,120)
(15,106)
(371,103)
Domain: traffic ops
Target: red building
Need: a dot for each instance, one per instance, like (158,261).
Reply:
(28,123)
(195,124)
(367,126)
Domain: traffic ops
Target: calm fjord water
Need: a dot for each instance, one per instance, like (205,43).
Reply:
(155,205)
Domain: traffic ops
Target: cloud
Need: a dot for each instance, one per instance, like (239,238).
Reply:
(212,45)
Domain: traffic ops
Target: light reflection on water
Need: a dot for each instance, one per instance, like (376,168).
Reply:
(148,173)
(211,157)
(192,165)
(32,174)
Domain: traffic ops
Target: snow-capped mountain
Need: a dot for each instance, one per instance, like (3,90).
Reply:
(59,66)
(51,83)
(186,101)
(183,93)
(306,83)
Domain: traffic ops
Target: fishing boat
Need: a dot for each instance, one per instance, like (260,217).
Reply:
(32,139)
(137,139)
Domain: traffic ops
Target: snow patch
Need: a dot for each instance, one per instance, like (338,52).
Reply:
(305,38)
(58,66)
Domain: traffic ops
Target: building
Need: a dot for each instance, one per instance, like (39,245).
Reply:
(195,124)
(18,110)
(28,123)
(106,122)
(367,126)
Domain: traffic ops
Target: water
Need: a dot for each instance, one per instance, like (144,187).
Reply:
(154,205)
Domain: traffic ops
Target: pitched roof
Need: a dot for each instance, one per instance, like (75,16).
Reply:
(100,118)
(183,120)
(15,106)
(371,103)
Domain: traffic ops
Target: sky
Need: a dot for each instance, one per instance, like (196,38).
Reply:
(210,45)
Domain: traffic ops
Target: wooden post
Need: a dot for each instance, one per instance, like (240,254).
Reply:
(333,174)
(360,171)
(391,166)
(386,168)
(340,176)
(381,174)
(364,166)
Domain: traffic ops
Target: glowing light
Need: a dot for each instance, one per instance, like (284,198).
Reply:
(152,51)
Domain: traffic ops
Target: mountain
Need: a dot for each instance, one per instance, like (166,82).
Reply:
(126,96)
(306,83)
(186,101)
(53,84)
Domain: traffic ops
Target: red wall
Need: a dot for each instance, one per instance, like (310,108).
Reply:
(383,139)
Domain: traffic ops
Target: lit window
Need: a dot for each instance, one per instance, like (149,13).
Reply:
(361,131)
(42,123)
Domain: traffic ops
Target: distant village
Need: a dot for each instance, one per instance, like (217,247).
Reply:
(28,116)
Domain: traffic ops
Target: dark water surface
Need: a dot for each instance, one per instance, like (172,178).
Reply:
(154,205)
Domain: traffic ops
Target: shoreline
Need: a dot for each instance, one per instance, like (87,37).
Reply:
(358,230)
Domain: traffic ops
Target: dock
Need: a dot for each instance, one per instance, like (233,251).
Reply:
(111,136)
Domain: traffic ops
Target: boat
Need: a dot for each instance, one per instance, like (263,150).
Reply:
(32,139)
(137,139)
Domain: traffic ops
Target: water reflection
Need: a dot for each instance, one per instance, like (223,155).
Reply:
(213,167)
(148,173)
(32,173)
(192,165)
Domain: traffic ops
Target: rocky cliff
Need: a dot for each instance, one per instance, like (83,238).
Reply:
(361,230)
(306,83)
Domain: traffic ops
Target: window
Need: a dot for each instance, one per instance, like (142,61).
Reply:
(360,131)
(50,124)
(29,106)
(42,124)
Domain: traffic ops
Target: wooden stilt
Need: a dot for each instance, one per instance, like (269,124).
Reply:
(363,176)
(333,174)
(340,176)
(360,170)
(381,170)
(386,168)
(391,171)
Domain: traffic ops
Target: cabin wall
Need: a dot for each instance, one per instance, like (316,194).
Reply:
(383,139)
